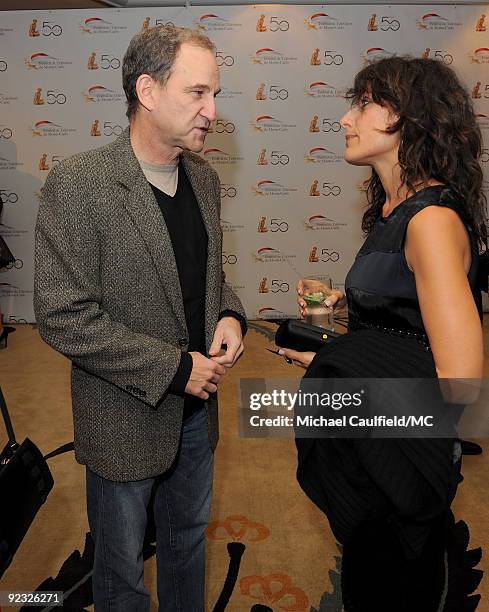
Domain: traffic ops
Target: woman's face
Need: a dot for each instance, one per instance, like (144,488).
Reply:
(366,141)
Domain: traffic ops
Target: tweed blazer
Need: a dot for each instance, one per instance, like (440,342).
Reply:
(107,296)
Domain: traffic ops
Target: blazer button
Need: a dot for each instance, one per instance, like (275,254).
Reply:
(182,341)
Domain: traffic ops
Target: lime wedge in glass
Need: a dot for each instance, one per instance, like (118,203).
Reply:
(314,299)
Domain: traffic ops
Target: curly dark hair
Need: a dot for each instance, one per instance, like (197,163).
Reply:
(439,135)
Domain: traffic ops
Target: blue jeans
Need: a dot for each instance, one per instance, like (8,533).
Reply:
(117,513)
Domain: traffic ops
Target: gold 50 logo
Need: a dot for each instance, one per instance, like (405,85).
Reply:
(324,255)
(107,61)
(326,125)
(440,55)
(275,225)
(326,189)
(5,133)
(53,96)
(157,22)
(326,58)
(271,92)
(224,59)
(8,197)
(275,24)
(229,258)
(480,91)
(275,158)
(277,285)
(223,126)
(45,28)
(108,128)
(228,191)
(45,162)
(383,23)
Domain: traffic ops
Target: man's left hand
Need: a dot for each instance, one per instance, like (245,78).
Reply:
(228,332)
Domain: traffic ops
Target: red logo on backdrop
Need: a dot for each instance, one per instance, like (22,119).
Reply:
(97,25)
(376,53)
(480,55)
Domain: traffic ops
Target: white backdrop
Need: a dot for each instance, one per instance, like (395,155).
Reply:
(290,204)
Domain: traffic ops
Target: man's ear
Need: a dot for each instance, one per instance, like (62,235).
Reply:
(145,90)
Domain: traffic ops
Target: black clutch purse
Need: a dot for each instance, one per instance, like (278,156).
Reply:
(301,336)
(25,481)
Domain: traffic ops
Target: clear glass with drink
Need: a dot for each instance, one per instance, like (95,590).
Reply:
(316,292)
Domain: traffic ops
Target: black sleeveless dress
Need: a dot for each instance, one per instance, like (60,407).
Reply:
(402,487)
(380,287)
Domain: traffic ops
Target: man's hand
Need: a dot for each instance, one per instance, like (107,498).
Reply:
(228,332)
(204,376)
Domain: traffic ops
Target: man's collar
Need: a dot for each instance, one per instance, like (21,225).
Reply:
(126,166)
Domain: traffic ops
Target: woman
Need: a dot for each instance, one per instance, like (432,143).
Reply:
(413,123)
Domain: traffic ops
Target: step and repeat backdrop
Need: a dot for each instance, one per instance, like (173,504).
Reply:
(291,206)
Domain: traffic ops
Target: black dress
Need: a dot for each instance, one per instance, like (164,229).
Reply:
(387,500)
(380,287)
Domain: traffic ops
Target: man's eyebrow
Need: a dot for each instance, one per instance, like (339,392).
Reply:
(197,86)
(201,86)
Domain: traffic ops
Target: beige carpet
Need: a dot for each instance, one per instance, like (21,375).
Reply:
(289,560)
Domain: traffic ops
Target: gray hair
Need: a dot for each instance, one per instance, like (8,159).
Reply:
(153,51)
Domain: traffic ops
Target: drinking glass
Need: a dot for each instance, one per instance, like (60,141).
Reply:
(316,292)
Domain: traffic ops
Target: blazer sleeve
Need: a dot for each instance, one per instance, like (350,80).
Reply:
(229,299)
(68,297)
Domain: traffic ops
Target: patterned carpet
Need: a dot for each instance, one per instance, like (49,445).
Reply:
(268,547)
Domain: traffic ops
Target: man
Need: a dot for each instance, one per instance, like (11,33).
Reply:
(129,286)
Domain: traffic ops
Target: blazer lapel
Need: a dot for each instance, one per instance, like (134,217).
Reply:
(198,177)
(147,217)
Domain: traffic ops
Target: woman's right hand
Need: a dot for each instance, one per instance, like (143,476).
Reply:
(336,298)
(299,358)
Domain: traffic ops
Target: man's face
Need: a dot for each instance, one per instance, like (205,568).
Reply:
(185,105)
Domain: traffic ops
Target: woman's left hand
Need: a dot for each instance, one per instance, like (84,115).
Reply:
(302,359)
